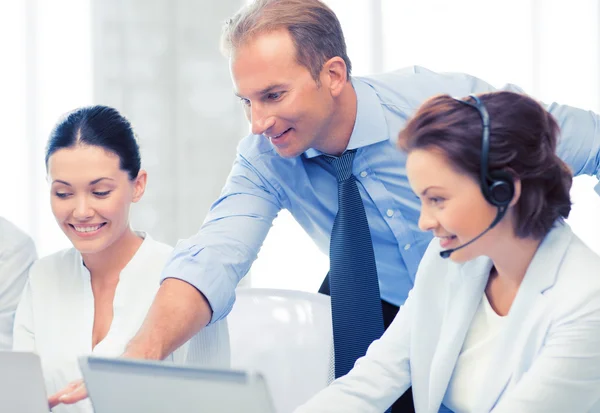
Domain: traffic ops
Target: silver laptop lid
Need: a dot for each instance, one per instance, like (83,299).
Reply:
(22,387)
(125,386)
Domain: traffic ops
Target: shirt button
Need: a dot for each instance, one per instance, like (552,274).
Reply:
(406,247)
(363,174)
(390,213)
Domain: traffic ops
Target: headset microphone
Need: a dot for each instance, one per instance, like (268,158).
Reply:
(501,212)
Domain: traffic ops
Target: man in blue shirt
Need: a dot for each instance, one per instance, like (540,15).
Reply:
(290,70)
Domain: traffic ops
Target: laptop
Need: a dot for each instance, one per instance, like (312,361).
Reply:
(125,386)
(22,386)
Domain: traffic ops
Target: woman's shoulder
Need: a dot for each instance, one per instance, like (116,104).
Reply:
(153,249)
(580,265)
(151,257)
(60,263)
(577,283)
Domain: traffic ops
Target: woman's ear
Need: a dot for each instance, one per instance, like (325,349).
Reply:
(517,195)
(517,186)
(139,185)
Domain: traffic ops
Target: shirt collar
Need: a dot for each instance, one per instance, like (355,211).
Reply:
(139,258)
(370,126)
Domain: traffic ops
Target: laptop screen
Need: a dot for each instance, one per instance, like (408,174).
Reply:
(124,386)
(22,387)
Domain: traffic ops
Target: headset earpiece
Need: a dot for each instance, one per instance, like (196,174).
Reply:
(500,188)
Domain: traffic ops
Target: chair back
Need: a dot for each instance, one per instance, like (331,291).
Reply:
(287,336)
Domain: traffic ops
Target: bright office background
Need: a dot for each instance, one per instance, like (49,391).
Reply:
(158,62)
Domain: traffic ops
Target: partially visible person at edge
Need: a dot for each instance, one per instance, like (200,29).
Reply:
(17,253)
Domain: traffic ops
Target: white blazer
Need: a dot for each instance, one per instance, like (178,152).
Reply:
(546,358)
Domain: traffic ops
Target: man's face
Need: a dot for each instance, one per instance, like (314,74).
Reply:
(281,99)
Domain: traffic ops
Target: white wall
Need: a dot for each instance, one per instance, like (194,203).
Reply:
(159,63)
(46,71)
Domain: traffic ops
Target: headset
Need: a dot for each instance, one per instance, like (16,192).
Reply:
(498,187)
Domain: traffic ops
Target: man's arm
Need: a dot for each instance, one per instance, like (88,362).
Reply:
(177,313)
(579,144)
(162,333)
(200,278)
(222,252)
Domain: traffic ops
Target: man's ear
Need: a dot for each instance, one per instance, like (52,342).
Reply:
(334,75)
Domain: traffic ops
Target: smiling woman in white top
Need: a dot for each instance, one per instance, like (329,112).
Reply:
(504,315)
(92,298)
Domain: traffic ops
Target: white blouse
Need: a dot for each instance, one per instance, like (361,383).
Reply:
(55,317)
(472,364)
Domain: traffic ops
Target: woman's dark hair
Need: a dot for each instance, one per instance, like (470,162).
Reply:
(100,126)
(523,140)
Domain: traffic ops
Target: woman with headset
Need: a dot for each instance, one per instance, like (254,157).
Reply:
(505,312)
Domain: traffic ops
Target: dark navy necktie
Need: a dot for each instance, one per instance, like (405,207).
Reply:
(355,300)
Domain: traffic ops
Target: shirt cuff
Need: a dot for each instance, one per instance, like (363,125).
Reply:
(597,188)
(217,291)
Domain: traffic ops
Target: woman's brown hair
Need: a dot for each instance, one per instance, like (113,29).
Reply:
(523,139)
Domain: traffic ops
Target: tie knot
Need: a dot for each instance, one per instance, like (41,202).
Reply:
(342,165)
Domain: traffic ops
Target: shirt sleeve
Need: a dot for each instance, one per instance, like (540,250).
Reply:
(221,253)
(24,327)
(14,268)
(579,142)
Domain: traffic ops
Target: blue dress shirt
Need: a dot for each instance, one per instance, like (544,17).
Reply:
(261,183)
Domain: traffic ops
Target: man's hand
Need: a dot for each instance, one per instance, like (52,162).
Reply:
(178,312)
(74,392)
